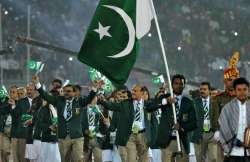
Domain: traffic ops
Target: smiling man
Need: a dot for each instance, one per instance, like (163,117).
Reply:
(234,119)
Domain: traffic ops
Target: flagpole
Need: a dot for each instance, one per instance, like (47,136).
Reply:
(1,44)
(28,46)
(167,70)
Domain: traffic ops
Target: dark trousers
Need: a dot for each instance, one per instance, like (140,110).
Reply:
(236,159)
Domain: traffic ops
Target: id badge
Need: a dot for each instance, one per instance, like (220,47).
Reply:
(206,125)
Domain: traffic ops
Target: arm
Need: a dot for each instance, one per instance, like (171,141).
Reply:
(49,98)
(84,101)
(111,106)
(5,109)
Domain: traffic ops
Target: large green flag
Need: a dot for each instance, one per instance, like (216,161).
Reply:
(111,43)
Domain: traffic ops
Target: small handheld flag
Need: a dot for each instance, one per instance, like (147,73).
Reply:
(158,79)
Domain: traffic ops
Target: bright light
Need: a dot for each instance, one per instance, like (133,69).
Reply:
(221,67)
(6,12)
(179,48)
(149,35)
(70,58)
(235,33)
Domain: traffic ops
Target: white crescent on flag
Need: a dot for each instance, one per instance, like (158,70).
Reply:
(131,31)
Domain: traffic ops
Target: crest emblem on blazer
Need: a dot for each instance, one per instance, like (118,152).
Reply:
(185,117)
(77,111)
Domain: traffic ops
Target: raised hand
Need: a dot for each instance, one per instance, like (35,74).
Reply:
(35,79)
(12,102)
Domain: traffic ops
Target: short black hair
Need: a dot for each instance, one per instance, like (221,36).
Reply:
(78,87)
(70,85)
(178,76)
(206,83)
(239,81)
(57,81)
(145,89)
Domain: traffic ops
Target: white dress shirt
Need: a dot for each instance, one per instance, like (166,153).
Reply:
(140,124)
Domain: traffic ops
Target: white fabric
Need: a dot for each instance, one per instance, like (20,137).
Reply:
(8,121)
(140,124)
(164,101)
(150,154)
(111,155)
(192,149)
(156,155)
(242,125)
(53,111)
(30,101)
(144,16)
(217,136)
(38,85)
(32,151)
(50,152)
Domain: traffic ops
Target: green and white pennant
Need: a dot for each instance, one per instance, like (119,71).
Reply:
(111,43)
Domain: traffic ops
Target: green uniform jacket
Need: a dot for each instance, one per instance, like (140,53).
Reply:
(218,102)
(44,122)
(3,118)
(187,121)
(126,118)
(197,133)
(17,128)
(73,127)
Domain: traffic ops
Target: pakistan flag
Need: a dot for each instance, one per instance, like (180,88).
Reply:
(111,44)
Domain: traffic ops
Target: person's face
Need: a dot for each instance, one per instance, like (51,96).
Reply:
(68,92)
(242,92)
(122,95)
(21,93)
(178,86)
(137,93)
(77,93)
(229,83)
(145,96)
(31,91)
(56,85)
(204,91)
(13,93)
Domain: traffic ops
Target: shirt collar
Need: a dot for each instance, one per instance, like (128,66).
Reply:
(240,104)
(206,99)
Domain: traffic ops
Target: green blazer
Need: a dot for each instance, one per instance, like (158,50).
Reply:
(126,118)
(73,127)
(3,117)
(187,121)
(197,133)
(17,128)
(44,122)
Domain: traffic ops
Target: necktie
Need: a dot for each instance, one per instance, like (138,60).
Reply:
(137,112)
(177,107)
(91,119)
(205,106)
(68,110)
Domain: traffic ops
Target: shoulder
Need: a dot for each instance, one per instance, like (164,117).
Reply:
(187,99)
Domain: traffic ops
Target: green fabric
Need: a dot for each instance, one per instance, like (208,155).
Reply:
(199,110)
(44,122)
(187,121)
(125,120)
(95,51)
(75,123)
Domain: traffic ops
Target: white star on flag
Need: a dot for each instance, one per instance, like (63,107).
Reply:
(103,31)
